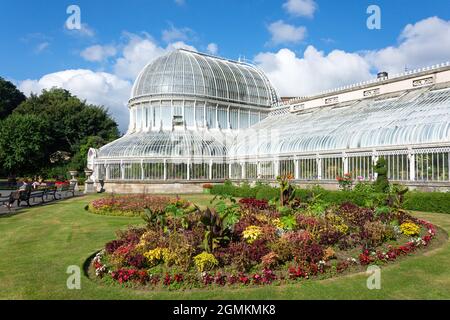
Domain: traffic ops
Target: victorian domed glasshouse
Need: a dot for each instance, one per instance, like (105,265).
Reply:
(196,118)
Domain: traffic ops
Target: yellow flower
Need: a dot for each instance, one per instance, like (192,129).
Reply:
(277,223)
(262,217)
(156,256)
(205,261)
(409,228)
(252,233)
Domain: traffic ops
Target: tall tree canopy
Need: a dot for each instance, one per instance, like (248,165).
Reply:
(68,126)
(23,143)
(71,119)
(10,98)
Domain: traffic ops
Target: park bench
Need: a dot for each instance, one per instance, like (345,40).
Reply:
(42,193)
(50,191)
(29,193)
(3,200)
(67,188)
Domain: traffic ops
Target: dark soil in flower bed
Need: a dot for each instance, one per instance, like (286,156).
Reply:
(255,242)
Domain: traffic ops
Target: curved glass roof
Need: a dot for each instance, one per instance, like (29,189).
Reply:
(416,117)
(183,72)
(168,144)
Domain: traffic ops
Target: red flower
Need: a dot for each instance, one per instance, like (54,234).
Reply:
(167,280)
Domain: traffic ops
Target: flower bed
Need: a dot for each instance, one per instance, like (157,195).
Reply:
(130,205)
(256,243)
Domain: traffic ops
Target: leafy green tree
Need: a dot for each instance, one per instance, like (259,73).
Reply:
(73,127)
(10,98)
(382,182)
(23,144)
(71,119)
(79,160)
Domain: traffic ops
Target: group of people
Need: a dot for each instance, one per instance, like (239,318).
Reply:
(15,195)
(25,186)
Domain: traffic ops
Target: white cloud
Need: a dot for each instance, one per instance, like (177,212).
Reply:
(96,87)
(136,54)
(424,43)
(179,45)
(301,8)
(85,31)
(283,33)
(139,51)
(109,89)
(42,46)
(212,48)
(39,41)
(180,2)
(174,34)
(421,44)
(315,71)
(98,53)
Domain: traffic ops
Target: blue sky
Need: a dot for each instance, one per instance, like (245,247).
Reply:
(291,40)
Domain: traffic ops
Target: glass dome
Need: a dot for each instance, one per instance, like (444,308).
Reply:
(187,73)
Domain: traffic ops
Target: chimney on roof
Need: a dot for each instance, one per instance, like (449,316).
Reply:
(382,75)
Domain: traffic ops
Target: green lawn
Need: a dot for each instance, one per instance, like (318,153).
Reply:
(38,244)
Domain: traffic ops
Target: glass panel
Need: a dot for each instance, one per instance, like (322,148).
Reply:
(243,119)
(199,114)
(236,171)
(166,114)
(432,166)
(361,168)
(199,171)
(211,116)
(153,171)
(287,167)
(219,171)
(114,172)
(267,170)
(132,171)
(156,114)
(189,113)
(307,169)
(222,115)
(331,168)
(251,170)
(176,171)
(234,118)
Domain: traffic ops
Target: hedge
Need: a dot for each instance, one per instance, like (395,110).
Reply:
(419,201)
(428,201)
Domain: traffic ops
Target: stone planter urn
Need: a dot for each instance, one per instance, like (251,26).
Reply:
(73,180)
(89,184)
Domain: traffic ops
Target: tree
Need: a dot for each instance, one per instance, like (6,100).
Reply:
(71,119)
(23,143)
(79,160)
(10,98)
(74,126)
(382,182)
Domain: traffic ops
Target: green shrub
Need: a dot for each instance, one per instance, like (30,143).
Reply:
(363,195)
(382,182)
(266,192)
(428,201)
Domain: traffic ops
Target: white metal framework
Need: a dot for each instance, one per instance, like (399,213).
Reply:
(201,118)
